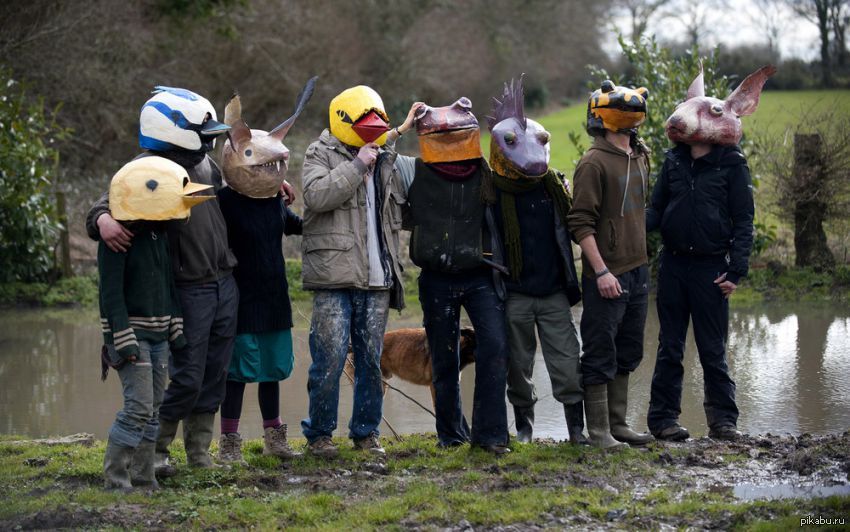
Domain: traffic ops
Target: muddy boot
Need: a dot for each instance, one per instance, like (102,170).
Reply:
(275,444)
(575,423)
(161,464)
(618,403)
(197,436)
(596,409)
(230,449)
(142,466)
(524,423)
(116,467)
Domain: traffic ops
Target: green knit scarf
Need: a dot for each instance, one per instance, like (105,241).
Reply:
(554,184)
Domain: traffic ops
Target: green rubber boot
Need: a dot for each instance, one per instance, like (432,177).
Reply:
(596,411)
(116,466)
(197,437)
(162,464)
(142,466)
(618,403)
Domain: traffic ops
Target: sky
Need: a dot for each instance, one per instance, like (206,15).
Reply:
(739,22)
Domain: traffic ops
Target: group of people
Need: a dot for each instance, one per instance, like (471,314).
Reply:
(202,300)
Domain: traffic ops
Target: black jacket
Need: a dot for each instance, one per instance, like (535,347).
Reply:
(705,206)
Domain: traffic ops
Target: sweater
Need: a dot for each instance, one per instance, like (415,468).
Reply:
(255,228)
(138,297)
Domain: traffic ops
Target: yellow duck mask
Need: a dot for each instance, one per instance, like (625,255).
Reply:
(357,117)
(153,188)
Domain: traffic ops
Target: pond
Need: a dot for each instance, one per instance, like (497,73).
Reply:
(790,363)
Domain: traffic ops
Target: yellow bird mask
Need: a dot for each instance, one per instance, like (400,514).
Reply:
(357,116)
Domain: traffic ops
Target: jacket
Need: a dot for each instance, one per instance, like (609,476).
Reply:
(334,247)
(705,206)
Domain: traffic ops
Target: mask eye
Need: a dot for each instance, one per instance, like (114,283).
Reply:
(248,153)
(510,138)
(152,184)
(543,137)
(185,181)
(716,110)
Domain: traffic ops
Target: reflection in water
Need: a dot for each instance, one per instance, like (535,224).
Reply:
(790,368)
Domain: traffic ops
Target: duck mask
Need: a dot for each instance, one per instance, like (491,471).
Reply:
(357,117)
(153,188)
(255,161)
(448,134)
(615,108)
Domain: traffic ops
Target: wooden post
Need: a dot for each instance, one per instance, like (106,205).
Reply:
(64,235)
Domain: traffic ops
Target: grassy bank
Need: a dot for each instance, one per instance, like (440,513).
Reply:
(775,283)
(419,486)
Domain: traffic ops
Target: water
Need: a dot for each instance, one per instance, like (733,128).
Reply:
(790,362)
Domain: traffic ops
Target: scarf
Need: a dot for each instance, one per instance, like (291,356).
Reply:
(460,171)
(554,186)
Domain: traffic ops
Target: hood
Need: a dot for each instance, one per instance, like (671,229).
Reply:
(719,155)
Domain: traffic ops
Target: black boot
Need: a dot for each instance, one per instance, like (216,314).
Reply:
(524,423)
(116,466)
(575,423)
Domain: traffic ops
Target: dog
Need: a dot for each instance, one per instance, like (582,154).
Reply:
(406,355)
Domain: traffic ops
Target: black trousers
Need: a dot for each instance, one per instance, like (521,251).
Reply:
(612,329)
(686,291)
(199,371)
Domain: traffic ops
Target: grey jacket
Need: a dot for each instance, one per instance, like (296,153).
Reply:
(334,247)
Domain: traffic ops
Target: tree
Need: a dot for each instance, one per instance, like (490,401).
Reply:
(831,18)
(771,20)
(640,12)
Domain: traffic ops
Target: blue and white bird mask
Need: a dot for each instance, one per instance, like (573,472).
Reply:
(178,119)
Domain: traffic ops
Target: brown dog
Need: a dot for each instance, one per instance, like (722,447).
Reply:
(406,355)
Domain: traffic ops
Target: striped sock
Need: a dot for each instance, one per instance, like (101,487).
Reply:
(229,426)
(273,423)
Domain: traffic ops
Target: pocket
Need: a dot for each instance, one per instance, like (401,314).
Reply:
(396,203)
(612,236)
(325,257)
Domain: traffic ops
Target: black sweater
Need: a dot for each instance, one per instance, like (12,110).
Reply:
(255,228)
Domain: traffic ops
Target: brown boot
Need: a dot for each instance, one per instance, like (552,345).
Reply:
(275,443)
(230,449)
(596,410)
(618,403)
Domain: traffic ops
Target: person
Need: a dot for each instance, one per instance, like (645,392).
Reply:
(253,203)
(607,220)
(352,216)
(532,207)
(181,125)
(139,312)
(703,204)
(456,243)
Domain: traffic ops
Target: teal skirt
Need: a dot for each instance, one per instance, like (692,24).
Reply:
(262,357)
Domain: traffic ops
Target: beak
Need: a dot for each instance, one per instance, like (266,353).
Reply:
(370,127)
(213,127)
(192,188)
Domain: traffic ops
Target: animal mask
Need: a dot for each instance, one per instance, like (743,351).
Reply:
(174,119)
(255,161)
(519,146)
(448,134)
(153,188)
(703,119)
(357,117)
(615,108)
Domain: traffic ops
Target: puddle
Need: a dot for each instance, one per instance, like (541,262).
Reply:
(749,492)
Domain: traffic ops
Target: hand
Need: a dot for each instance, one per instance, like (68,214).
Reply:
(408,122)
(114,235)
(131,358)
(368,153)
(288,192)
(726,287)
(609,286)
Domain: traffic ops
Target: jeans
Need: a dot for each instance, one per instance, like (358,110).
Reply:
(199,371)
(339,316)
(612,329)
(686,292)
(442,296)
(143,383)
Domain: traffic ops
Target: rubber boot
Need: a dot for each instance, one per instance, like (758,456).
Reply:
(575,423)
(524,423)
(197,436)
(142,466)
(116,466)
(162,465)
(596,409)
(618,403)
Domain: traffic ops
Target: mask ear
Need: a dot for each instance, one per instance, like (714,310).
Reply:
(745,99)
(239,134)
(697,87)
(280,131)
(422,111)
(233,110)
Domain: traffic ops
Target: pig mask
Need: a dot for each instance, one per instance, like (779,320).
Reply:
(701,119)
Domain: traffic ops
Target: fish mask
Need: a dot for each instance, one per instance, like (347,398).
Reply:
(255,161)
(703,119)
(448,134)
(153,188)
(615,108)
(357,117)
(519,146)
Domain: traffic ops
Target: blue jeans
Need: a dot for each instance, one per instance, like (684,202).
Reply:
(441,296)
(340,315)
(143,383)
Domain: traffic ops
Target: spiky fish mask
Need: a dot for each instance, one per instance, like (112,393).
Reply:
(615,108)
(357,117)
(448,134)
(519,146)
(703,119)
(153,188)
(255,161)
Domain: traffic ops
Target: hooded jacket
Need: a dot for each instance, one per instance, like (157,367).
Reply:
(609,198)
(705,206)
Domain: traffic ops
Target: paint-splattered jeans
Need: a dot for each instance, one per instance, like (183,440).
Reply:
(442,296)
(340,315)
(143,383)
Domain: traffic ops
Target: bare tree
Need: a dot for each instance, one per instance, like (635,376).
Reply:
(772,21)
(831,19)
(641,12)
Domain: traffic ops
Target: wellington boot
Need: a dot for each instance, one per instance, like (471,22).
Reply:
(142,466)
(116,466)
(197,437)
(524,423)
(575,423)
(162,464)
(596,409)
(618,403)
